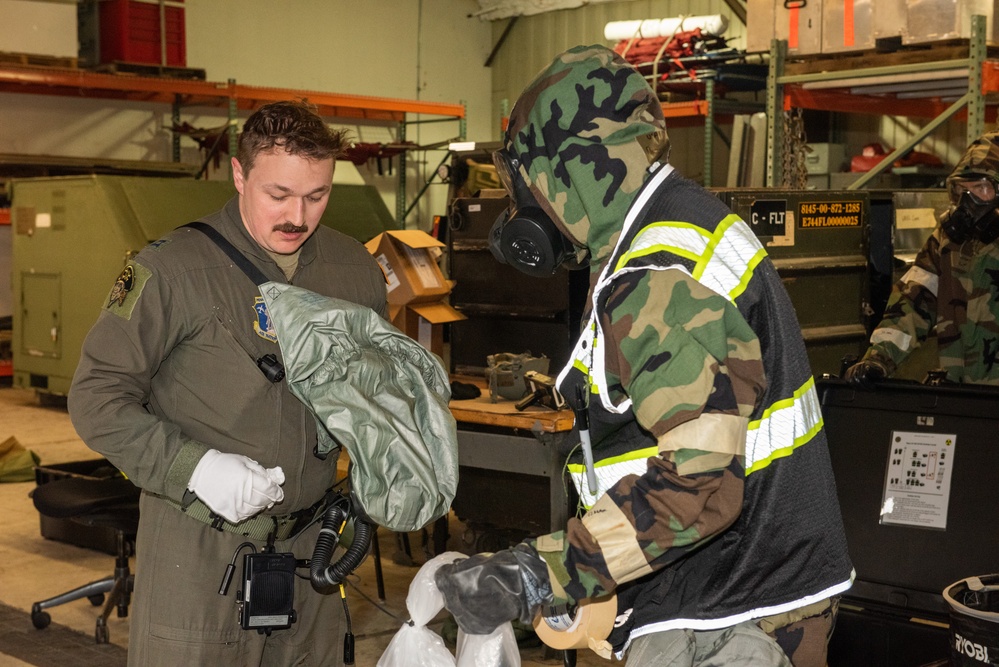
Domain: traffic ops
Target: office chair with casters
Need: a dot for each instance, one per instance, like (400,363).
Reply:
(111,502)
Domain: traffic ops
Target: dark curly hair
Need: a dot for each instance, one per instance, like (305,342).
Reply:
(294,126)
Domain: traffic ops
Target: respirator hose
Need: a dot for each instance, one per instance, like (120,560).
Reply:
(324,575)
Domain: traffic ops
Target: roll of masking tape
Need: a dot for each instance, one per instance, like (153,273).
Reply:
(585,627)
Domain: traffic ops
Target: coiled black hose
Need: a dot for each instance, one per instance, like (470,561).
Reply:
(324,575)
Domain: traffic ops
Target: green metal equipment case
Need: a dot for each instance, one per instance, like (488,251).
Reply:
(72,236)
(838,252)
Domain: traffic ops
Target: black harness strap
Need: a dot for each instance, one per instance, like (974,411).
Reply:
(252,272)
(268,364)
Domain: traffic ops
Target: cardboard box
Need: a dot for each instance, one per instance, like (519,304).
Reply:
(408,258)
(424,323)
(417,290)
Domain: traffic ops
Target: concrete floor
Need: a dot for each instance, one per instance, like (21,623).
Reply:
(34,568)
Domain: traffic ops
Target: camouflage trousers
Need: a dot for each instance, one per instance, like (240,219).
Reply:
(800,643)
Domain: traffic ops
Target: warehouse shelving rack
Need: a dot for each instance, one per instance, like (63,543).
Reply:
(709,110)
(180,93)
(946,78)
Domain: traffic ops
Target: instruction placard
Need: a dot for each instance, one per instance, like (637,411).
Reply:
(917,484)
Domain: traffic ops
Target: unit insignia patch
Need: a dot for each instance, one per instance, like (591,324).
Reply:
(126,290)
(122,286)
(263,325)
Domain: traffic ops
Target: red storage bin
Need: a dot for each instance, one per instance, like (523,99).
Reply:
(130,32)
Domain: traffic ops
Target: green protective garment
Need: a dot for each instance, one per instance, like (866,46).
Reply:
(17,464)
(378,393)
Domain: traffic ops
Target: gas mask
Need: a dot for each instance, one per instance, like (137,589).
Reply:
(971,218)
(524,236)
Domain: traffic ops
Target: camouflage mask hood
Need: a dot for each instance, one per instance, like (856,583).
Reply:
(575,131)
(981,159)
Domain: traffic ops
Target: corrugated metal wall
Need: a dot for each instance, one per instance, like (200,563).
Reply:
(535,40)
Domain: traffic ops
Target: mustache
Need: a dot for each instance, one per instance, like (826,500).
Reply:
(289,228)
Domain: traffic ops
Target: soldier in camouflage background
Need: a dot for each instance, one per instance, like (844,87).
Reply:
(715,519)
(951,289)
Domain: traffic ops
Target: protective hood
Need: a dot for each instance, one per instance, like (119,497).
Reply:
(575,130)
(378,393)
(981,159)
(970,217)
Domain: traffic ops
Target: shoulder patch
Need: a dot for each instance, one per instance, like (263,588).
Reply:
(262,324)
(126,290)
(155,245)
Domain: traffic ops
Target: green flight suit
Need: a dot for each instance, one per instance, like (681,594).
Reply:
(169,371)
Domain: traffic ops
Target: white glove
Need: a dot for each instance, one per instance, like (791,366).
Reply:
(234,486)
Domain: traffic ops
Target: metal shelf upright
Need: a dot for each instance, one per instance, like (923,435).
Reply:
(709,110)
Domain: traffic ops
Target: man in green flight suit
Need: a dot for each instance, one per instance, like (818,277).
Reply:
(171,390)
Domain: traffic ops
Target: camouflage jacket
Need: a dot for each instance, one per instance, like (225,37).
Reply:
(706,427)
(950,291)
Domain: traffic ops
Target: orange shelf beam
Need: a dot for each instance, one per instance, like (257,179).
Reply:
(351,106)
(685,109)
(86,84)
(842,100)
(691,114)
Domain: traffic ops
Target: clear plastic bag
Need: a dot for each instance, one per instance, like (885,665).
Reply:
(416,645)
(498,649)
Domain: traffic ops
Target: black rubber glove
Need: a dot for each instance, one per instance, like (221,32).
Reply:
(487,590)
(867,372)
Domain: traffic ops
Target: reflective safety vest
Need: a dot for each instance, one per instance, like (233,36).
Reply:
(722,259)
(759,567)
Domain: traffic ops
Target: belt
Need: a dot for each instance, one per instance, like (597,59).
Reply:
(259,527)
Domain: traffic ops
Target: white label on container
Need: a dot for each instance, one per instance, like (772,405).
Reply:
(915,218)
(43,220)
(391,280)
(424,267)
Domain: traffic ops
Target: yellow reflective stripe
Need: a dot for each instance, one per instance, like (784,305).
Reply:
(724,261)
(680,238)
(793,420)
(582,353)
(716,239)
(744,281)
(608,472)
(733,255)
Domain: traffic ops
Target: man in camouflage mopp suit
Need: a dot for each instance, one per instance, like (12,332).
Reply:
(714,518)
(951,289)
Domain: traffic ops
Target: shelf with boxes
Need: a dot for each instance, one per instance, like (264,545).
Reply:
(941,81)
